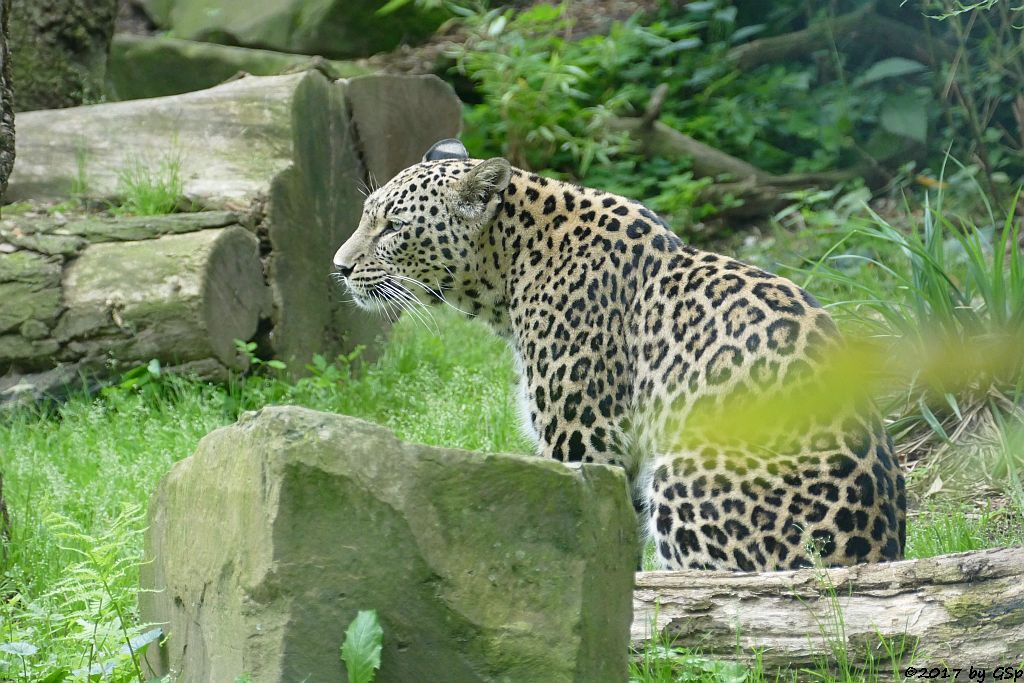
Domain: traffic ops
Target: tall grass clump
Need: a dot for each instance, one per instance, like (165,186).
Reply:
(943,303)
(150,189)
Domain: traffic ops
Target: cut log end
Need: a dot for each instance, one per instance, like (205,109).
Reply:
(234,295)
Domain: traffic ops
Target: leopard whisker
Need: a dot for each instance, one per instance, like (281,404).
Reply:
(386,289)
(415,306)
(410,303)
(437,292)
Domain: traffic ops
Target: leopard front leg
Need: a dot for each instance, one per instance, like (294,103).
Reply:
(572,416)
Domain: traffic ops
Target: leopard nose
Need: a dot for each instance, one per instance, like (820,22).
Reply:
(344,271)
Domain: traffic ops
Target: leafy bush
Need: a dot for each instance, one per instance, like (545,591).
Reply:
(85,625)
(531,80)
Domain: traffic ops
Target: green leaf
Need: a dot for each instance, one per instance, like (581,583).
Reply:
(276,364)
(726,15)
(890,68)
(932,421)
(744,32)
(678,46)
(906,115)
(361,650)
(19,648)
(393,6)
(140,642)
(56,676)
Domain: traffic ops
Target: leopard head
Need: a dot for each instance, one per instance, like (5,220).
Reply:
(422,228)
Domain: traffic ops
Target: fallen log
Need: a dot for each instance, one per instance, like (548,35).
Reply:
(291,153)
(954,610)
(101,295)
(857,29)
(758,191)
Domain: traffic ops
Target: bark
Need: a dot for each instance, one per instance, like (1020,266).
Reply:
(854,31)
(6,102)
(966,608)
(61,48)
(103,296)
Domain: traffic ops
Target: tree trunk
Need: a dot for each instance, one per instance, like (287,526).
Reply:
(758,191)
(61,48)
(91,295)
(854,31)
(960,609)
(6,102)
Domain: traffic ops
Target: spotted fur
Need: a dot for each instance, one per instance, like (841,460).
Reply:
(635,350)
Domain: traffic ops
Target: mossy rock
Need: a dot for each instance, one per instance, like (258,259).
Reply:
(142,66)
(336,29)
(265,544)
(60,49)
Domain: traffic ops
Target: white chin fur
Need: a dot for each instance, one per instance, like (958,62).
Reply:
(364,302)
(368,304)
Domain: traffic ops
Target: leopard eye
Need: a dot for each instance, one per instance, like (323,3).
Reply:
(391,228)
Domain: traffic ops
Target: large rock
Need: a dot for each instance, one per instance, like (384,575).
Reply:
(61,51)
(333,28)
(155,66)
(290,152)
(265,544)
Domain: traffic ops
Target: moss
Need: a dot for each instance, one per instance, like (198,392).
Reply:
(61,48)
(332,28)
(152,67)
(981,609)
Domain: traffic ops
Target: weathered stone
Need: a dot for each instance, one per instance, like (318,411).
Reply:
(51,245)
(179,288)
(34,329)
(20,389)
(337,29)
(21,301)
(61,48)
(263,545)
(427,107)
(16,347)
(27,266)
(144,66)
(230,142)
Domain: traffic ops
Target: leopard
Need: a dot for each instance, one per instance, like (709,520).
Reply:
(636,350)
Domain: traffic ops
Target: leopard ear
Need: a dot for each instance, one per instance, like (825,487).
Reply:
(482,184)
(446,149)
